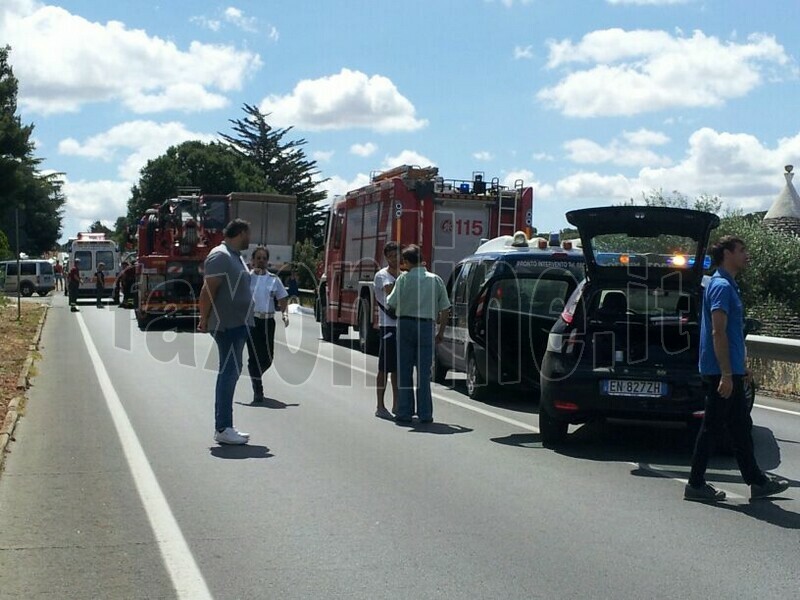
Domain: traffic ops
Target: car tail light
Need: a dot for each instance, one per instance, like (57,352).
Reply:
(565,406)
(699,414)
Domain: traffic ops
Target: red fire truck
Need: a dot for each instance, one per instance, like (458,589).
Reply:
(447,218)
(175,238)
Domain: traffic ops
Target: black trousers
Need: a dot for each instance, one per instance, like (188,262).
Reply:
(731,412)
(260,350)
(72,288)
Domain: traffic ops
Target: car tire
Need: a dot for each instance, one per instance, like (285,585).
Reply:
(551,431)
(26,289)
(439,371)
(477,387)
(367,334)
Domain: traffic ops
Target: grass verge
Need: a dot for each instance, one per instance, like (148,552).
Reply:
(17,337)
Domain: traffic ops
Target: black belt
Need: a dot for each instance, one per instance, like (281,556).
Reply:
(416,319)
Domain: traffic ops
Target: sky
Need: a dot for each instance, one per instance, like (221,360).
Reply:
(592,102)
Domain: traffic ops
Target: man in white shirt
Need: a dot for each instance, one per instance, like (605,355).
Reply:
(268,295)
(387,355)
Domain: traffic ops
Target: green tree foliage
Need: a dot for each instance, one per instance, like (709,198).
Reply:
(306,261)
(773,276)
(38,197)
(214,168)
(5,249)
(98,227)
(284,166)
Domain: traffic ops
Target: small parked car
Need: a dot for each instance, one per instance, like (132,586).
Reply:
(626,344)
(505,299)
(36,276)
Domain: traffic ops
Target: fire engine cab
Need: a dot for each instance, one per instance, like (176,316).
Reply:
(447,218)
(175,238)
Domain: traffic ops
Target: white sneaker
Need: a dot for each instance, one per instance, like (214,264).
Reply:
(230,436)
(242,433)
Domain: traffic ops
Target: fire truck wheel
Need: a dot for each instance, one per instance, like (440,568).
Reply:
(367,334)
(329,332)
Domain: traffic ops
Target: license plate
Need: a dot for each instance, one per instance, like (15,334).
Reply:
(628,387)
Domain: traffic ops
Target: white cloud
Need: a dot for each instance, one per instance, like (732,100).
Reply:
(482,155)
(364,150)
(540,190)
(338,186)
(644,71)
(64,61)
(89,201)
(407,157)
(509,3)
(235,16)
(322,155)
(212,24)
(634,151)
(138,141)
(525,52)
(348,99)
(543,156)
(649,2)
(736,166)
(273,35)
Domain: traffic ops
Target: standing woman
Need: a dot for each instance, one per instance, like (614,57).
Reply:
(269,295)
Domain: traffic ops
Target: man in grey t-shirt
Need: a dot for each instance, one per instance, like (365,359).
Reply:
(226,312)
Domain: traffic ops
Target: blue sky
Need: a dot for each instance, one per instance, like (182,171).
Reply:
(591,102)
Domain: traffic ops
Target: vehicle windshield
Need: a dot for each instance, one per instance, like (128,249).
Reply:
(624,250)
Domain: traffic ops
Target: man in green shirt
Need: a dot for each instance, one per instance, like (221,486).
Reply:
(419,299)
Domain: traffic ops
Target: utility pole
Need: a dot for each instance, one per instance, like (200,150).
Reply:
(19,273)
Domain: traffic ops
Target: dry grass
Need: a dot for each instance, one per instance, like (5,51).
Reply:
(16,336)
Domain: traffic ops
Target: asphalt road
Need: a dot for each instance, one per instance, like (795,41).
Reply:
(115,489)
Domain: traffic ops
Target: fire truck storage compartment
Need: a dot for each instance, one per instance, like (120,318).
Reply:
(183,282)
(272,222)
(362,247)
(458,227)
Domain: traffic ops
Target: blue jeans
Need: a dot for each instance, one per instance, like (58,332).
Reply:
(230,345)
(414,349)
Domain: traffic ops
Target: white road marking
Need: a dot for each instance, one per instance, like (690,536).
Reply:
(181,566)
(667,474)
(776,409)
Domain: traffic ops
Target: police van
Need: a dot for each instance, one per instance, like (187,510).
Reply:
(505,299)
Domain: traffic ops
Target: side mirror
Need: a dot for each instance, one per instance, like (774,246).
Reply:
(752,326)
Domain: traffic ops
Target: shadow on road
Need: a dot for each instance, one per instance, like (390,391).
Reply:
(768,511)
(240,452)
(437,428)
(178,324)
(520,440)
(268,403)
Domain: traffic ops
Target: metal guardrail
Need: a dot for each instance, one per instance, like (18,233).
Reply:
(772,348)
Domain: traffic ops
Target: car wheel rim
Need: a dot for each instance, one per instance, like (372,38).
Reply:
(471,376)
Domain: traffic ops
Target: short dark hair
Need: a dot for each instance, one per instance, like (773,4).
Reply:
(235,227)
(412,254)
(258,249)
(726,242)
(390,247)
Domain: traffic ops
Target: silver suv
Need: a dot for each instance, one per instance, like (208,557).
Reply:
(36,276)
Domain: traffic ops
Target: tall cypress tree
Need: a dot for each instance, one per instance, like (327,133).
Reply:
(285,167)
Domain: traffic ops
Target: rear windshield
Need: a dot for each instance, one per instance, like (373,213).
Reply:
(642,301)
(623,250)
(530,295)
(46,268)
(85,256)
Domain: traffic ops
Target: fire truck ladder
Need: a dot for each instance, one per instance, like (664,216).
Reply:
(507,204)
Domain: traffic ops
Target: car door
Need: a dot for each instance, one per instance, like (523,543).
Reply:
(11,278)
(454,333)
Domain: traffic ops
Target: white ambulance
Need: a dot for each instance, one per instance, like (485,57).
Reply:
(91,249)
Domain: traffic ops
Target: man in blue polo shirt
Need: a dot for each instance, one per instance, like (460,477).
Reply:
(722,366)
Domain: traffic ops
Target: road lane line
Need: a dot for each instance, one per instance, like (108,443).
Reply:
(181,566)
(776,409)
(476,409)
(667,474)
